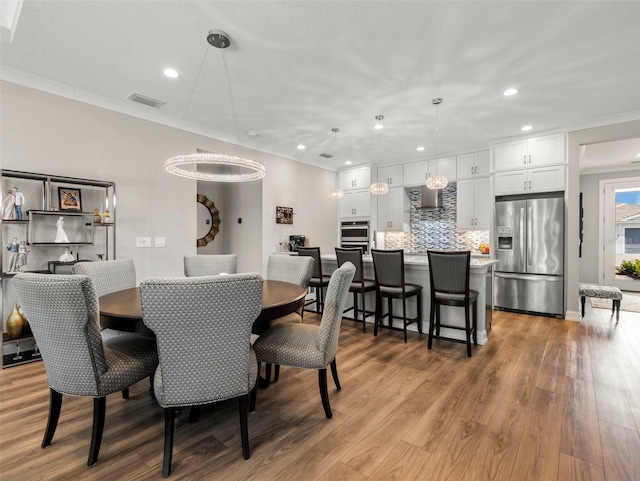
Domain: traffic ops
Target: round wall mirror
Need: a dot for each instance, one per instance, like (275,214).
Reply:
(208,220)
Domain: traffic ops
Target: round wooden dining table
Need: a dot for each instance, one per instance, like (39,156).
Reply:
(122,311)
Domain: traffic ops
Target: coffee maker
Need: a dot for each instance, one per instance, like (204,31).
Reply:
(296,241)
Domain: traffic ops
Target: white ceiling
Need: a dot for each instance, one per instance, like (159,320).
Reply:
(300,68)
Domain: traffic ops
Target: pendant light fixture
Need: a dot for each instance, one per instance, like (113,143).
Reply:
(336,192)
(436,182)
(379,188)
(378,125)
(213,166)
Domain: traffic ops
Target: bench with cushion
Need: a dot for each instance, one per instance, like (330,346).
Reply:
(602,292)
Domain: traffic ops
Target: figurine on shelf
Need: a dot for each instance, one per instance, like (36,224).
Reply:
(61,235)
(19,202)
(22,255)
(97,218)
(8,206)
(13,247)
(105,216)
(66,256)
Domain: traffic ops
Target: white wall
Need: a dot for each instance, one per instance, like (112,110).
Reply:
(49,134)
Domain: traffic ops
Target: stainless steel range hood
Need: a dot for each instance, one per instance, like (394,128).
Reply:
(429,198)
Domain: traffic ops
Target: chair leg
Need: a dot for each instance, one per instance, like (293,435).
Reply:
(55,404)
(276,373)
(437,320)
(474,328)
(404,318)
(432,314)
(419,307)
(194,414)
(390,310)
(467,329)
(244,426)
(364,313)
(267,373)
(334,373)
(125,393)
(153,392)
(99,410)
(324,394)
(582,299)
(252,398)
(378,314)
(616,303)
(169,417)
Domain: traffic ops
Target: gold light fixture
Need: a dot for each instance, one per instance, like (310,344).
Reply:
(336,192)
(436,182)
(213,166)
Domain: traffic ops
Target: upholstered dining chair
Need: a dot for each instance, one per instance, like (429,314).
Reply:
(64,317)
(210,265)
(360,285)
(108,276)
(388,266)
(294,269)
(318,281)
(309,346)
(213,317)
(449,276)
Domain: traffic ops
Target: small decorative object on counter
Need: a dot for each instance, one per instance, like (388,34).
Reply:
(66,256)
(13,248)
(15,323)
(483,247)
(61,235)
(97,218)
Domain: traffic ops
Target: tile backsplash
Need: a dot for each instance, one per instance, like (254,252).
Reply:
(434,229)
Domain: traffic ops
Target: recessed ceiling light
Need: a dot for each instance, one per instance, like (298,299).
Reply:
(348,162)
(638,155)
(301,147)
(171,73)
(420,149)
(526,127)
(510,92)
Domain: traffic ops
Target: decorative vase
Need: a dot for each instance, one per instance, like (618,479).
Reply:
(97,218)
(15,323)
(27,327)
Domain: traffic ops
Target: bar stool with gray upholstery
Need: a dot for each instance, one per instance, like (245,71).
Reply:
(388,266)
(449,275)
(359,285)
(318,280)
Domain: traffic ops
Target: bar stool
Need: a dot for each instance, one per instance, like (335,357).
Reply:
(318,281)
(449,275)
(388,266)
(359,285)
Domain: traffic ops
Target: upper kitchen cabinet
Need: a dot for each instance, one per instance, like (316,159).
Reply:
(474,204)
(356,203)
(473,164)
(354,179)
(416,173)
(393,210)
(531,152)
(525,181)
(392,175)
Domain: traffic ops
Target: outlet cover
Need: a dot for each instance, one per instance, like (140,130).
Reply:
(160,242)
(143,241)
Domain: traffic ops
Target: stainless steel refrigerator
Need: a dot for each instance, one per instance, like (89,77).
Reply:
(530,248)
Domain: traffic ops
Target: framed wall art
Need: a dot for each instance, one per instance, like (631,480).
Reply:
(69,199)
(284,215)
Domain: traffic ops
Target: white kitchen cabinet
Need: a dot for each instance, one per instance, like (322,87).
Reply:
(416,173)
(393,210)
(354,179)
(356,203)
(531,152)
(392,175)
(524,181)
(473,164)
(474,203)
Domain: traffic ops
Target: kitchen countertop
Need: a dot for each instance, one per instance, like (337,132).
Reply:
(481,261)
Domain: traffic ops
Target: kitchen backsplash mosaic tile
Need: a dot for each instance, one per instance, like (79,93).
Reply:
(434,229)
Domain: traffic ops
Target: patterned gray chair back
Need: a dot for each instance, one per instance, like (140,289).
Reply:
(449,271)
(63,314)
(334,304)
(210,265)
(294,269)
(108,276)
(203,331)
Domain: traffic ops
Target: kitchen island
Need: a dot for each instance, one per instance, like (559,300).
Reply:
(416,271)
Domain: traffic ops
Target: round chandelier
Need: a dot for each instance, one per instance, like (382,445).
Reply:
(437,182)
(379,188)
(336,193)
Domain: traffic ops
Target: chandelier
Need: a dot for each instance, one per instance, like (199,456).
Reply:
(336,193)
(213,166)
(379,188)
(436,182)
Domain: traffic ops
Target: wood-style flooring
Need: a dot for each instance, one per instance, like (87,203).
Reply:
(543,400)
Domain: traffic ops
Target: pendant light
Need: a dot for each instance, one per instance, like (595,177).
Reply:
(436,182)
(213,166)
(379,188)
(336,192)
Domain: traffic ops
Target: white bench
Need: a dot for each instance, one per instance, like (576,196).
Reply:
(602,292)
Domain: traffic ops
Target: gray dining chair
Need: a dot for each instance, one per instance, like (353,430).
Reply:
(309,346)
(210,265)
(212,318)
(64,317)
(108,276)
(294,269)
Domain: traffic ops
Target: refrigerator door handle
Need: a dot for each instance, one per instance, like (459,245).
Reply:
(522,237)
(529,236)
(525,277)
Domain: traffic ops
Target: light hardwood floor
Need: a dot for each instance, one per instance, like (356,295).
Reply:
(544,400)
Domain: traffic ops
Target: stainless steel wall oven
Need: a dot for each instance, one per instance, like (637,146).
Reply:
(355,234)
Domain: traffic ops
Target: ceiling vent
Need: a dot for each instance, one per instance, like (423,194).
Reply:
(326,156)
(141,99)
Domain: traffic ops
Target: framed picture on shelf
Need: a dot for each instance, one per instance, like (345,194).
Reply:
(69,199)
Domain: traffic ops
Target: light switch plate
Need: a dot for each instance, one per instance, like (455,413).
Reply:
(160,242)
(143,241)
